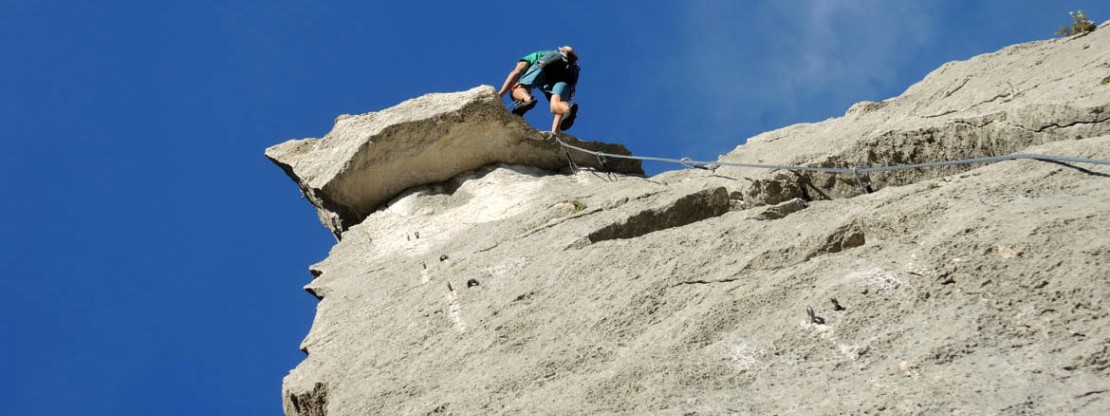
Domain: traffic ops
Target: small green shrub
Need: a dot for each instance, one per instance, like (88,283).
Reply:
(1106,81)
(579,206)
(1079,25)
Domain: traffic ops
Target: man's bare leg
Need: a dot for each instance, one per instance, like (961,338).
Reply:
(559,108)
(521,93)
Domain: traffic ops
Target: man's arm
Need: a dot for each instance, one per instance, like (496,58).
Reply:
(513,77)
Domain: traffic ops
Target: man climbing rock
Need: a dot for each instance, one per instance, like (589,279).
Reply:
(555,72)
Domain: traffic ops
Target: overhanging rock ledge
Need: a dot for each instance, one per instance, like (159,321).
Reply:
(367,159)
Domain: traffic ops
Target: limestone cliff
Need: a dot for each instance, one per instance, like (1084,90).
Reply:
(476,275)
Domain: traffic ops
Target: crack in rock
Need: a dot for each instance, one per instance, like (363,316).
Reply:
(958,87)
(704,282)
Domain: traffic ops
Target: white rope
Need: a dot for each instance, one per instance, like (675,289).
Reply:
(854,170)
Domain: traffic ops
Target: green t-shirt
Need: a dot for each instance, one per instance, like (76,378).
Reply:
(567,74)
(534,57)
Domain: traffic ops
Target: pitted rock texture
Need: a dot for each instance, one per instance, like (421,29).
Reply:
(367,159)
(971,290)
(309,403)
(991,283)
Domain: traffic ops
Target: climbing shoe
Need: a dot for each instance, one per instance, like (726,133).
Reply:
(521,107)
(568,120)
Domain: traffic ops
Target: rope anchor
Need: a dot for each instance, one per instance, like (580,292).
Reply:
(866,187)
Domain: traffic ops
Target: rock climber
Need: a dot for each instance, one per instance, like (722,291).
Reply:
(555,72)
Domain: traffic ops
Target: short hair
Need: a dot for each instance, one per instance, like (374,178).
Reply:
(570,52)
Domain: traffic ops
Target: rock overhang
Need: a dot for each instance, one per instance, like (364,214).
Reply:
(370,158)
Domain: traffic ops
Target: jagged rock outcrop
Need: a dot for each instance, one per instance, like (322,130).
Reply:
(512,289)
(994,104)
(367,159)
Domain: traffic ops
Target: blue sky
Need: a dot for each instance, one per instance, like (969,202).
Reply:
(154,259)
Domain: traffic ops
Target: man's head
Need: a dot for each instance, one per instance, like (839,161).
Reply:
(570,54)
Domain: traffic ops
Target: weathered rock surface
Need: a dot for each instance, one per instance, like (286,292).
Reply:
(994,104)
(367,159)
(511,289)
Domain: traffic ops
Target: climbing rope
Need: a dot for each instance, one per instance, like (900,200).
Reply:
(689,163)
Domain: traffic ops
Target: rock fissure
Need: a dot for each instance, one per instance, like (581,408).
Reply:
(1072,123)
(704,282)
(958,87)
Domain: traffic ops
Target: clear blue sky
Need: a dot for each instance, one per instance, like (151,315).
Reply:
(153,258)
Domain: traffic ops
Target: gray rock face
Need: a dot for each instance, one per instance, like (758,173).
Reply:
(994,104)
(512,289)
(367,159)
